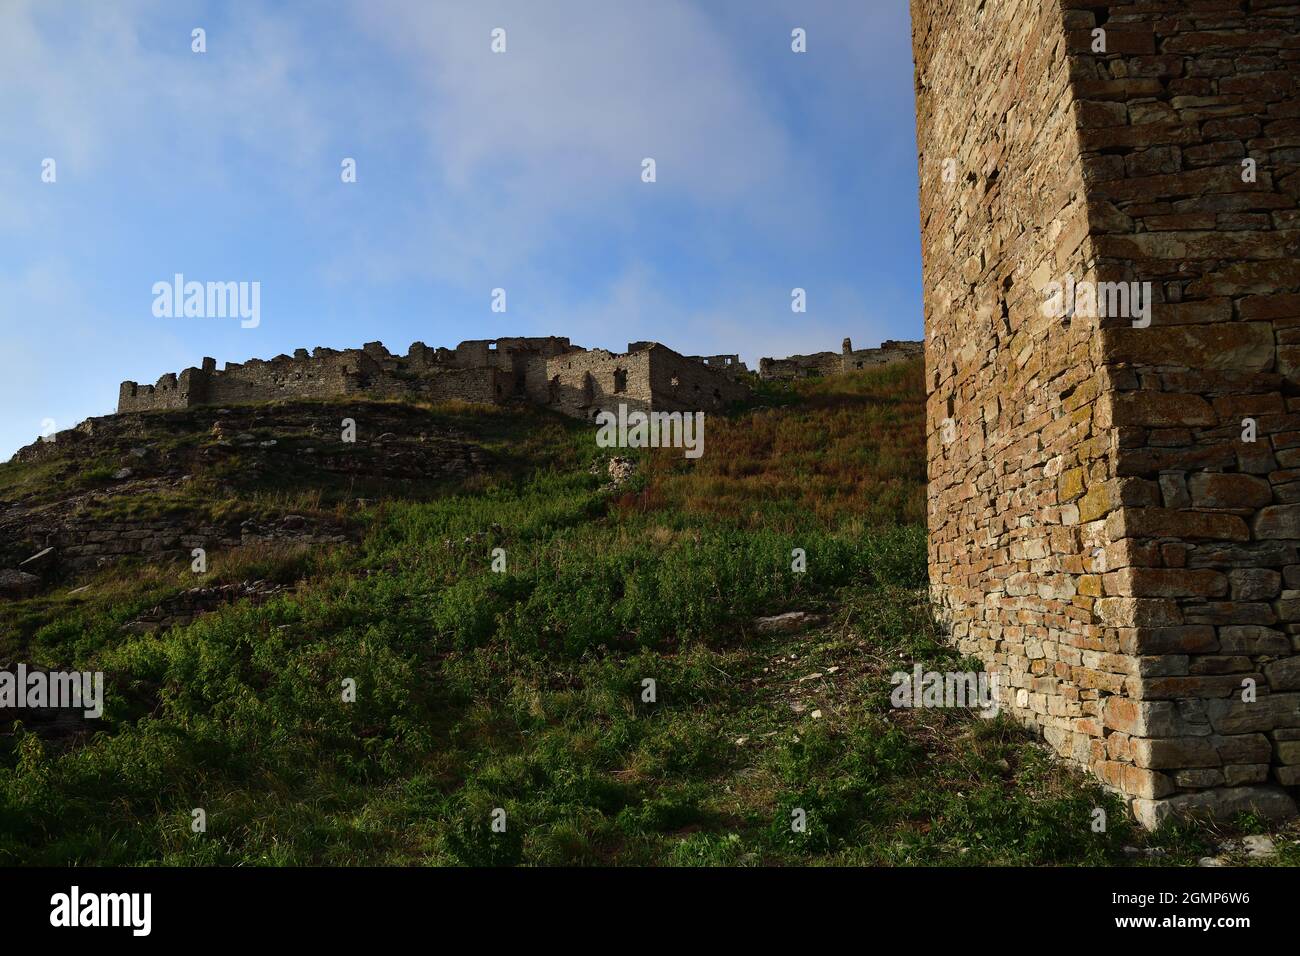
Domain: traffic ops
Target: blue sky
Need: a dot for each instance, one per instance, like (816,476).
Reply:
(475,171)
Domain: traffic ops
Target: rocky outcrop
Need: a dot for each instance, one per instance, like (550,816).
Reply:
(151,513)
(18,584)
(189,604)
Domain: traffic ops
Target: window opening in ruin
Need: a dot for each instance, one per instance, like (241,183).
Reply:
(620,380)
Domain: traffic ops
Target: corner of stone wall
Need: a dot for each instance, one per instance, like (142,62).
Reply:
(1099,534)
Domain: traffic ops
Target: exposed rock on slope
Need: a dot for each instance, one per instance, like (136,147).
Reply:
(157,485)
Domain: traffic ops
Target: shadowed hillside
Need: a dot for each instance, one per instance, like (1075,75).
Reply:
(522,689)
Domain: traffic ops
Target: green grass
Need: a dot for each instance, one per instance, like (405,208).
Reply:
(524,691)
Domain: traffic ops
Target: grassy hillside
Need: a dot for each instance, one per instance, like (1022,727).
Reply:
(524,690)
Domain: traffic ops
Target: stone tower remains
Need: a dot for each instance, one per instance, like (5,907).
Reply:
(1111,247)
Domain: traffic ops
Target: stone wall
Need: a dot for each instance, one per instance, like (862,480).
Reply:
(584,383)
(1205,527)
(298,445)
(682,384)
(652,377)
(729,365)
(837,363)
(423,374)
(1101,534)
(546,371)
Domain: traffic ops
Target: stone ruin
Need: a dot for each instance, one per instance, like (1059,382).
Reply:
(729,365)
(1114,501)
(547,371)
(837,363)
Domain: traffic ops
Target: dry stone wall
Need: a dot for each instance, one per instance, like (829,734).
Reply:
(423,374)
(729,365)
(680,384)
(648,377)
(837,363)
(585,383)
(296,443)
(546,371)
(1114,512)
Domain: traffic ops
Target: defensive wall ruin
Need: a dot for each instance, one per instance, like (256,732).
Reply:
(837,363)
(546,371)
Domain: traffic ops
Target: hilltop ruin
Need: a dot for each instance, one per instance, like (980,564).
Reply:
(548,371)
(837,363)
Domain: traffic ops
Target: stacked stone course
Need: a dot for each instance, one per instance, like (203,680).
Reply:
(394,444)
(1103,530)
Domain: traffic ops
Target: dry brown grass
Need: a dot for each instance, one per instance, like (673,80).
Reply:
(853,448)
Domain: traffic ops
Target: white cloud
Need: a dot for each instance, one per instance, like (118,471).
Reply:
(550,135)
(96,91)
(584,92)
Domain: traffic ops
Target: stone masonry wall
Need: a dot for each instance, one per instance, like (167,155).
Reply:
(1203,573)
(729,365)
(1100,535)
(325,373)
(651,377)
(1012,395)
(837,363)
(681,384)
(546,371)
(582,384)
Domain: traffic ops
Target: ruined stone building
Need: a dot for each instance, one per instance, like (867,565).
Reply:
(837,363)
(1114,502)
(547,371)
(730,365)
